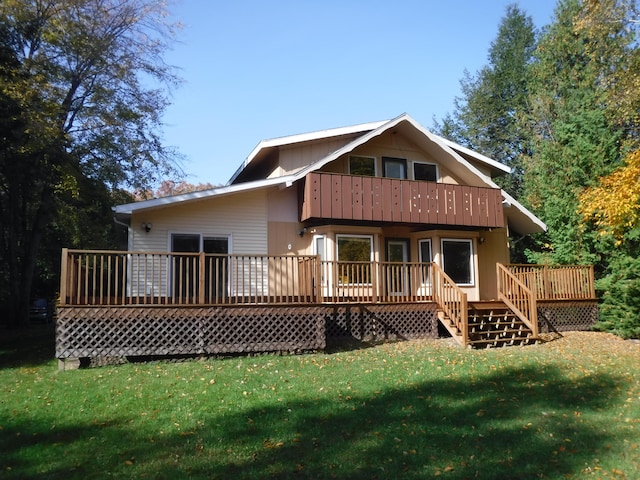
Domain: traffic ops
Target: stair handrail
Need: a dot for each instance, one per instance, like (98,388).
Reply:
(452,300)
(518,297)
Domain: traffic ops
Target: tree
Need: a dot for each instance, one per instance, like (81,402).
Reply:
(170,187)
(575,137)
(84,89)
(614,204)
(486,116)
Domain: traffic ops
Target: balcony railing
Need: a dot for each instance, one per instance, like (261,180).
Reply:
(329,196)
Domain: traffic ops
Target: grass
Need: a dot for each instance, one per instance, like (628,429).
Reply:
(569,408)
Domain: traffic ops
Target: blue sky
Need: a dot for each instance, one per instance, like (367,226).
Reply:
(255,70)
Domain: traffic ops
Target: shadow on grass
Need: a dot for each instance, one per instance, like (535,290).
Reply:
(28,346)
(508,424)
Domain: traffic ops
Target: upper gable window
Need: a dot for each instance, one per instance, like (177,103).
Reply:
(427,172)
(365,166)
(394,167)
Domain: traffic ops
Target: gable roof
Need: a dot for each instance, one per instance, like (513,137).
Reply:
(520,218)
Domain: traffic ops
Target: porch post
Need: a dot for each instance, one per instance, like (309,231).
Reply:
(318,278)
(374,281)
(546,282)
(63,276)
(592,282)
(201,279)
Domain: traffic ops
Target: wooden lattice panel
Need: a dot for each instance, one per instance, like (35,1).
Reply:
(263,329)
(90,332)
(382,322)
(567,315)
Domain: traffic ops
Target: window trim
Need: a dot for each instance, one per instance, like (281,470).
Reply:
(472,272)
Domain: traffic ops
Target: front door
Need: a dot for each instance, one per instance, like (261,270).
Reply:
(397,272)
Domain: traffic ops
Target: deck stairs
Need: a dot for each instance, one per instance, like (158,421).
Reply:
(491,324)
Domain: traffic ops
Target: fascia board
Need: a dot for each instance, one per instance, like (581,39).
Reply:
(478,156)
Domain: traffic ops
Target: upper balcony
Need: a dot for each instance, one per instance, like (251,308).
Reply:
(330,196)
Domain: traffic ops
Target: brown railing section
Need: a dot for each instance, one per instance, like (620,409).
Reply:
(151,278)
(373,282)
(453,302)
(518,297)
(350,197)
(557,282)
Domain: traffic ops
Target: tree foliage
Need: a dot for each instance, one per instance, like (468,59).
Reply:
(168,188)
(82,86)
(614,204)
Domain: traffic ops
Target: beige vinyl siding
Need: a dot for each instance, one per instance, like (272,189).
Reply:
(241,217)
(294,158)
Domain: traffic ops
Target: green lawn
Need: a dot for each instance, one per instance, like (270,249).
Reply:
(569,408)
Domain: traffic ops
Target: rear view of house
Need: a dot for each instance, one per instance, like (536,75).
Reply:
(371,231)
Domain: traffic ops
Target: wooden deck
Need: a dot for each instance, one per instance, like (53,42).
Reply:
(198,303)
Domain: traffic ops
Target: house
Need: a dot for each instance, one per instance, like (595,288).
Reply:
(376,230)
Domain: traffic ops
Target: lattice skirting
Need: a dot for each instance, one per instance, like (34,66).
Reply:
(567,315)
(98,332)
(382,322)
(134,331)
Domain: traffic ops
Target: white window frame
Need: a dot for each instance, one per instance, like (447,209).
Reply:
(324,265)
(471,258)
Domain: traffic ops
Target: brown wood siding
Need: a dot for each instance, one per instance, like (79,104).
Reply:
(344,197)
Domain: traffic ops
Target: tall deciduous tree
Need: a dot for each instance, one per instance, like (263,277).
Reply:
(486,116)
(83,88)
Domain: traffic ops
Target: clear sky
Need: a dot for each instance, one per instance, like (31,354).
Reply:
(255,69)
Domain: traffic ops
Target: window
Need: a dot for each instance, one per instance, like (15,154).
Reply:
(425,251)
(355,252)
(424,247)
(394,167)
(319,242)
(425,171)
(457,260)
(185,269)
(365,166)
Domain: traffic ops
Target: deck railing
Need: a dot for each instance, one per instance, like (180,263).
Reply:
(453,302)
(557,282)
(518,297)
(152,278)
